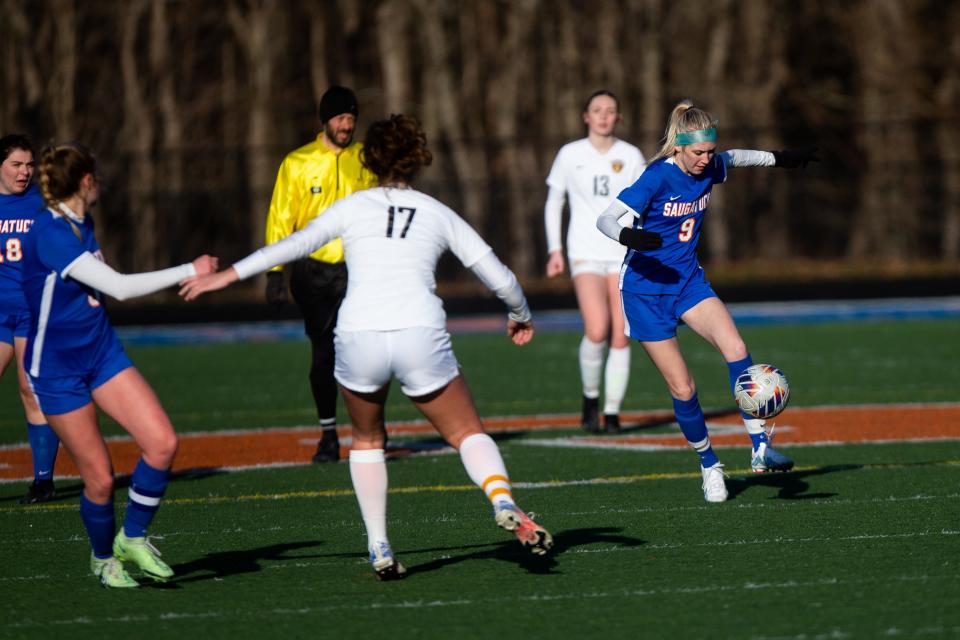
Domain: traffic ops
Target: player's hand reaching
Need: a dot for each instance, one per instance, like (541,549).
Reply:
(520,332)
(193,288)
(555,264)
(639,239)
(205,264)
(276,292)
(795,158)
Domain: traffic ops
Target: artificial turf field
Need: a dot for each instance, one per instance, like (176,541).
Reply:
(861,541)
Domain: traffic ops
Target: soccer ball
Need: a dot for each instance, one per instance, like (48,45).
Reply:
(762,391)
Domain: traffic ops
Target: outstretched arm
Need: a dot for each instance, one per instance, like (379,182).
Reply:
(92,272)
(298,245)
(786,158)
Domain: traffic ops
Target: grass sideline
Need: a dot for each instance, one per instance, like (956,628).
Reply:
(859,542)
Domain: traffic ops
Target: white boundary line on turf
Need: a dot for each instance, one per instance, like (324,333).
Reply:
(550,484)
(349,604)
(535,416)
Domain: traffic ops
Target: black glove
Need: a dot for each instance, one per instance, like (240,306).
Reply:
(276,292)
(639,239)
(794,158)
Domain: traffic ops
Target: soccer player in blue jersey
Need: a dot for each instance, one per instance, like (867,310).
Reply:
(20,202)
(662,282)
(76,363)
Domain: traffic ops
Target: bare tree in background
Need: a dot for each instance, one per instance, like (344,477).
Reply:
(163,69)
(717,100)
(440,97)
(318,49)
(136,139)
(255,30)
(394,46)
(649,49)
(505,105)
(61,84)
(23,86)
(761,74)
(946,101)
(888,63)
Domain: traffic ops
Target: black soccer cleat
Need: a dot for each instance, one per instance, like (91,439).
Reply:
(328,450)
(611,423)
(590,417)
(39,491)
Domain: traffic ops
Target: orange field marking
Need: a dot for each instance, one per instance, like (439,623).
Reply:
(800,426)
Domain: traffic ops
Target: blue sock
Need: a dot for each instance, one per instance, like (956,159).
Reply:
(44,445)
(98,519)
(146,488)
(694,427)
(735,369)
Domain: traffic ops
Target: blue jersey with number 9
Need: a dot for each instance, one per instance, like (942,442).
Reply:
(671,203)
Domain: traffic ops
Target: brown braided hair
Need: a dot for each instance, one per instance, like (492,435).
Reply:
(395,149)
(61,169)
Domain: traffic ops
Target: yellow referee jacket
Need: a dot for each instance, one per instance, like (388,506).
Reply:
(310,179)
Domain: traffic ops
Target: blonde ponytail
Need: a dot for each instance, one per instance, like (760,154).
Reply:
(684,117)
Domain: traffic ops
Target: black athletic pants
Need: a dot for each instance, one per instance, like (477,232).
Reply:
(318,289)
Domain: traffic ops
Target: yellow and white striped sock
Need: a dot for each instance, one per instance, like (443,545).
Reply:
(483,463)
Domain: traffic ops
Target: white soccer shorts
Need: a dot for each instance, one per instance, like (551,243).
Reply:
(421,358)
(598,267)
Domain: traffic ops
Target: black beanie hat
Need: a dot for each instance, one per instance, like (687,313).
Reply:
(337,100)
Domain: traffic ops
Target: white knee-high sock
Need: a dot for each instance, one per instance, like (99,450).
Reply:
(591,364)
(616,377)
(368,471)
(481,458)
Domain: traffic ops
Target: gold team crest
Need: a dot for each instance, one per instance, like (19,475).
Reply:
(617,165)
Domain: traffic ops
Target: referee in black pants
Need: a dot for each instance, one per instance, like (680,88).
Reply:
(310,179)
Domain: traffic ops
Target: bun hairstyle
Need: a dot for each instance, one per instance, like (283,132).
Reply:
(61,169)
(395,149)
(684,117)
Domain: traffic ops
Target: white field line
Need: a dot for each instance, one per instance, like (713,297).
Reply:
(548,484)
(493,419)
(747,589)
(339,525)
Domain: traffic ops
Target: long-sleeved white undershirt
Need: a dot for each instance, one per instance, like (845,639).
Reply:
(491,271)
(501,280)
(608,221)
(553,218)
(92,272)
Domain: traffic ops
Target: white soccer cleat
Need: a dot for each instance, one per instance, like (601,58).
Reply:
(714,487)
(385,564)
(766,458)
(531,535)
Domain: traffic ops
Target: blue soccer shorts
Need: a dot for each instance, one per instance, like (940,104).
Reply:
(14,325)
(63,394)
(655,317)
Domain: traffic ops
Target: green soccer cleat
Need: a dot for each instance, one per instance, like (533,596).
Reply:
(111,573)
(143,554)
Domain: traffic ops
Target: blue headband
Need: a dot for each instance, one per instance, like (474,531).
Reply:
(700,135)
